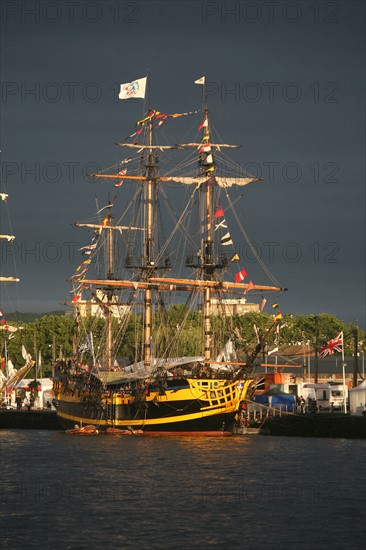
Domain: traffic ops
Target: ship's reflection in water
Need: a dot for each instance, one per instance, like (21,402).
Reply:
(182,492)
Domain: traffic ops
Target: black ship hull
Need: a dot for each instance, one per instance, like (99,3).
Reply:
(184,405)
(152,419)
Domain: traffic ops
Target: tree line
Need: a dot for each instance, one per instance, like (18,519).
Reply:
(55,336)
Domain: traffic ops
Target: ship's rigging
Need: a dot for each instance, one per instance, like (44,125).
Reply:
(148,271)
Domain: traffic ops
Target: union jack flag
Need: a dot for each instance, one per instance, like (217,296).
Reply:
(333,345)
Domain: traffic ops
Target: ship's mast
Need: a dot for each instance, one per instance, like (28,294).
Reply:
(109,293)
(208,240)
(148,259)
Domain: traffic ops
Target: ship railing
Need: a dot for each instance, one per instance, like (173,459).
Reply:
(258,412)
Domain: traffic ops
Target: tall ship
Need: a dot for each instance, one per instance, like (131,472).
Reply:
(153,349)
(7,371)
(9,376)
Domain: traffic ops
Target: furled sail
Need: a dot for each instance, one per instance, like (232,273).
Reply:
(142,147)
(221,181)
(101,226)
(217,145)
(9,238)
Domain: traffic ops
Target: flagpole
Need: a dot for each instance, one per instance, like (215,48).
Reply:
(277,346)
(344,377)
(6,368)
(92,348)
(146,102)
(316,363)
(204,93)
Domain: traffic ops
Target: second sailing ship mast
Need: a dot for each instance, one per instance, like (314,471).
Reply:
(208,240)
(109,293)
(148,257)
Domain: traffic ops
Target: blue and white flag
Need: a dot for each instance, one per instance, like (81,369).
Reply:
(87,344)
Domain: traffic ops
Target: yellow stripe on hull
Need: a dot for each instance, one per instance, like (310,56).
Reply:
(147,422)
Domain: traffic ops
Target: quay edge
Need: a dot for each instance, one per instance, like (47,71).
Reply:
(316,425)
(29,420)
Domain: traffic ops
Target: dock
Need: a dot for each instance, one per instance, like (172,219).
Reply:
(263,420)
(29,420)
(337,425)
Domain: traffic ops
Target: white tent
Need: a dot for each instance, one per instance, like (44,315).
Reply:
(45,392)
(357,397)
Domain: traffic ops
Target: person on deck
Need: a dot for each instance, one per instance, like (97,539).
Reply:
(302,405)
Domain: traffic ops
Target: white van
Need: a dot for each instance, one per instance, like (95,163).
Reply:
(327,396)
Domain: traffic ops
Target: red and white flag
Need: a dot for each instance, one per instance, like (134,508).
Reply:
(121,173)
(330,347)
(240,276)
(204,124)
(206,148)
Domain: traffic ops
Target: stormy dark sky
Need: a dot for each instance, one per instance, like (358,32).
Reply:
(286,80)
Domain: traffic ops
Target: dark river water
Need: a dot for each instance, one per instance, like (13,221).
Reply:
(256,492)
